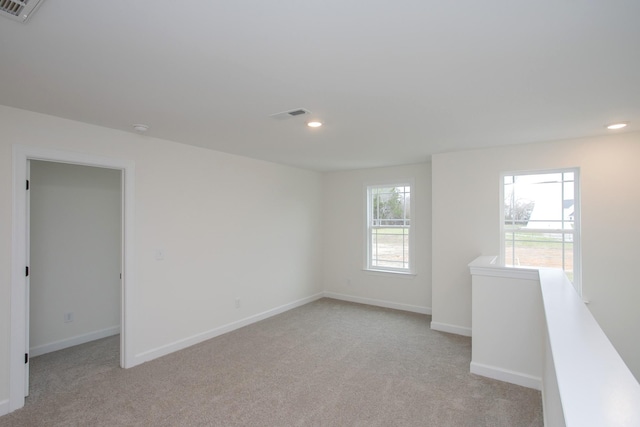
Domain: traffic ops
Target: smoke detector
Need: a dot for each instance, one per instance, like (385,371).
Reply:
(139,127)
(288,114)
(19,10)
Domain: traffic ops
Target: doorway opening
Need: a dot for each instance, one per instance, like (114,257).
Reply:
(75,245)
(22,156)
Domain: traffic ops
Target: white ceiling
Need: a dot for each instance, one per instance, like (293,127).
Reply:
(394,81)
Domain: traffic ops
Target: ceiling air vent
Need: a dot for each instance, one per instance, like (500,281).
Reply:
(288,114)
(18,10)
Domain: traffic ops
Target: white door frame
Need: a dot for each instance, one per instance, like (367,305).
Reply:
(21,155)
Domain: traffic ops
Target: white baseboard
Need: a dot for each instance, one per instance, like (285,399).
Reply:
(198,338)
(379,303)
(4,407)
(452,329)
(70,342)
(506,375)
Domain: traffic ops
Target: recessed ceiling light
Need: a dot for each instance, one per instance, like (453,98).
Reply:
(615,126)
(314,124)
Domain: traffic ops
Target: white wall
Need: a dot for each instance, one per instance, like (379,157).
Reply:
(508,323)
(345,240)
(466,225)
(75,254)
(231,227)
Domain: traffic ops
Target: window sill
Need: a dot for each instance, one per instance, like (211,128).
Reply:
(402,274)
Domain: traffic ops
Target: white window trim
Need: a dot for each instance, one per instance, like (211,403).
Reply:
(577,245)
(411,271)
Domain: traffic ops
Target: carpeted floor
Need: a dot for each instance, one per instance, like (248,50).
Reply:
(328,363)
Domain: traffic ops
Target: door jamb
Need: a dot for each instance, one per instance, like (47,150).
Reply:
(21,155)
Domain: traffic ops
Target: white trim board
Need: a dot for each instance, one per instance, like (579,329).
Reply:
(451,329)
(4,407)
(487,266)
(204,336)
(73,341)
(379,303)
(508,376)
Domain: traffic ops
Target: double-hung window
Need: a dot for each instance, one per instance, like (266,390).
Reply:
(389,230)
(541,220)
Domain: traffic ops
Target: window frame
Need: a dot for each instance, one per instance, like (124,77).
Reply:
(577,246)
(368,252)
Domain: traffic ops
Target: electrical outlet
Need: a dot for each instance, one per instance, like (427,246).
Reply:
(68,317)
(237,302)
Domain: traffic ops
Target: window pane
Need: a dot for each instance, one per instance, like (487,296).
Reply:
(548,254)
(548,200)
(568,202)
(508,246)
(525,248)
(390,205)
(538,202)
(568,259)
(390,247)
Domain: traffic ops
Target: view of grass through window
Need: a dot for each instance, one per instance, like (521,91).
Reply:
(389,227)
(540,220)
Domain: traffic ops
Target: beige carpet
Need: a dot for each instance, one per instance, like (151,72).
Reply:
(328,363)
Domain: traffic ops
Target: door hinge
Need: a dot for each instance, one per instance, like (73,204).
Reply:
(27,184)
(26,358)
(26,272)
